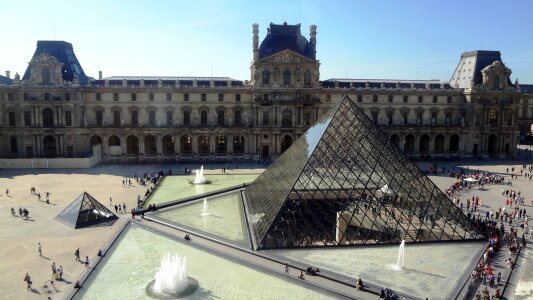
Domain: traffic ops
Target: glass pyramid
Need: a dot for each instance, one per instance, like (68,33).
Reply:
(344,183)
(85,211)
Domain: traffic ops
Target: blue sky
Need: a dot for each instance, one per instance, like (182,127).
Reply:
(408,39)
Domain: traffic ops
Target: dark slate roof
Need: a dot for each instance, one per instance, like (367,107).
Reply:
(5,80)
(64,52)
(285,37)
(168,80)
(469,68)
(384,83)
(526,88)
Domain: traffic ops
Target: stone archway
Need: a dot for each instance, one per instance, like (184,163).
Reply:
(49,146)
(454,143)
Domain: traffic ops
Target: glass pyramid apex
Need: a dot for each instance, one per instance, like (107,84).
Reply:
(344,183)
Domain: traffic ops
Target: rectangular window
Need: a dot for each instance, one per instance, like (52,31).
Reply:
(265,118)
(238,115)
(26,97)
(449,99)
(220,117)
(11,98)
(46,96)
(203,117)
(67,96)
(135,118)
(328,98)
(204,97)
(238,97)
(151,97)
(375,117)
(185,97)
(359,98)
(170,118)
(29,151)
(186,117)
(116,118)
(133,97)
(98,97)
(27,118)
(151,117)
(99,118)
(115,96)
(12,118)
(68,118)
(220,97)
(169,97)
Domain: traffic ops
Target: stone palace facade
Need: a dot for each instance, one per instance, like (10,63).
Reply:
(55,110)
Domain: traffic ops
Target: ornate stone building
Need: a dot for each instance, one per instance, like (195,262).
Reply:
(56,110)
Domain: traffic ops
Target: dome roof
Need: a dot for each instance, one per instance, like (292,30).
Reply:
(285,37)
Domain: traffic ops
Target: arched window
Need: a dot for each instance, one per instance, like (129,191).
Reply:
(286,118)
(409,144)
(96,140)
(49,146)
(307,77)
(45,74)
(186,144)
(496,82)
(286,77)
(266,77)
(48,117)
(238,144)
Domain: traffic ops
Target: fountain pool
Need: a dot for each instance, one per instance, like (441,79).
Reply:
(199,177)
(441,266)
(130,264)
(178,186)
(220,216)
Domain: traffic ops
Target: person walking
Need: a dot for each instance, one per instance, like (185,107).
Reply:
(60,272)
(77,254)
(54,269)
(286,268)
(110,201)
(86,262)
(28,281)
(39,248)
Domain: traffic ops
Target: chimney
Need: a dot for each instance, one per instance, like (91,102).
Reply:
(255,32)
(312,36)
(8,74)
(100,75)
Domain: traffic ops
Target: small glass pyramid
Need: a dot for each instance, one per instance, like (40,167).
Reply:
(85,211)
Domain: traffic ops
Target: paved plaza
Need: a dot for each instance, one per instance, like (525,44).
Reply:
(20,238)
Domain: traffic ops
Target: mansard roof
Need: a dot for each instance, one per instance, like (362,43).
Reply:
(385,83)
(285,37)
(5,80)
(468,70)
(64,52)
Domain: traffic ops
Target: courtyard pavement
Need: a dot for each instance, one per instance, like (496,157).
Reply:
(19,237)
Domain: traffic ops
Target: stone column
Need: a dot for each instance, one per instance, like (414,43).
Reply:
(195,143)
(141,144)
(159,144)
(177,144)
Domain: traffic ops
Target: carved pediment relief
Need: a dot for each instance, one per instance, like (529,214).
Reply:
(46,70)
(286,56)
(495,76)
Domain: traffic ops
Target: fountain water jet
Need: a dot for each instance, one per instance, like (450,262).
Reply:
(199,179)
(401,256)
(171,280)
(205,209)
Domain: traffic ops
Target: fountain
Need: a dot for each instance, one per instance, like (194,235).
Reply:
(205,208)
(199,179)
(171,280)
(400,259)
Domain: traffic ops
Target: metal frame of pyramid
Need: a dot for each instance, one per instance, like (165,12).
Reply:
(85,211)
(342,183)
